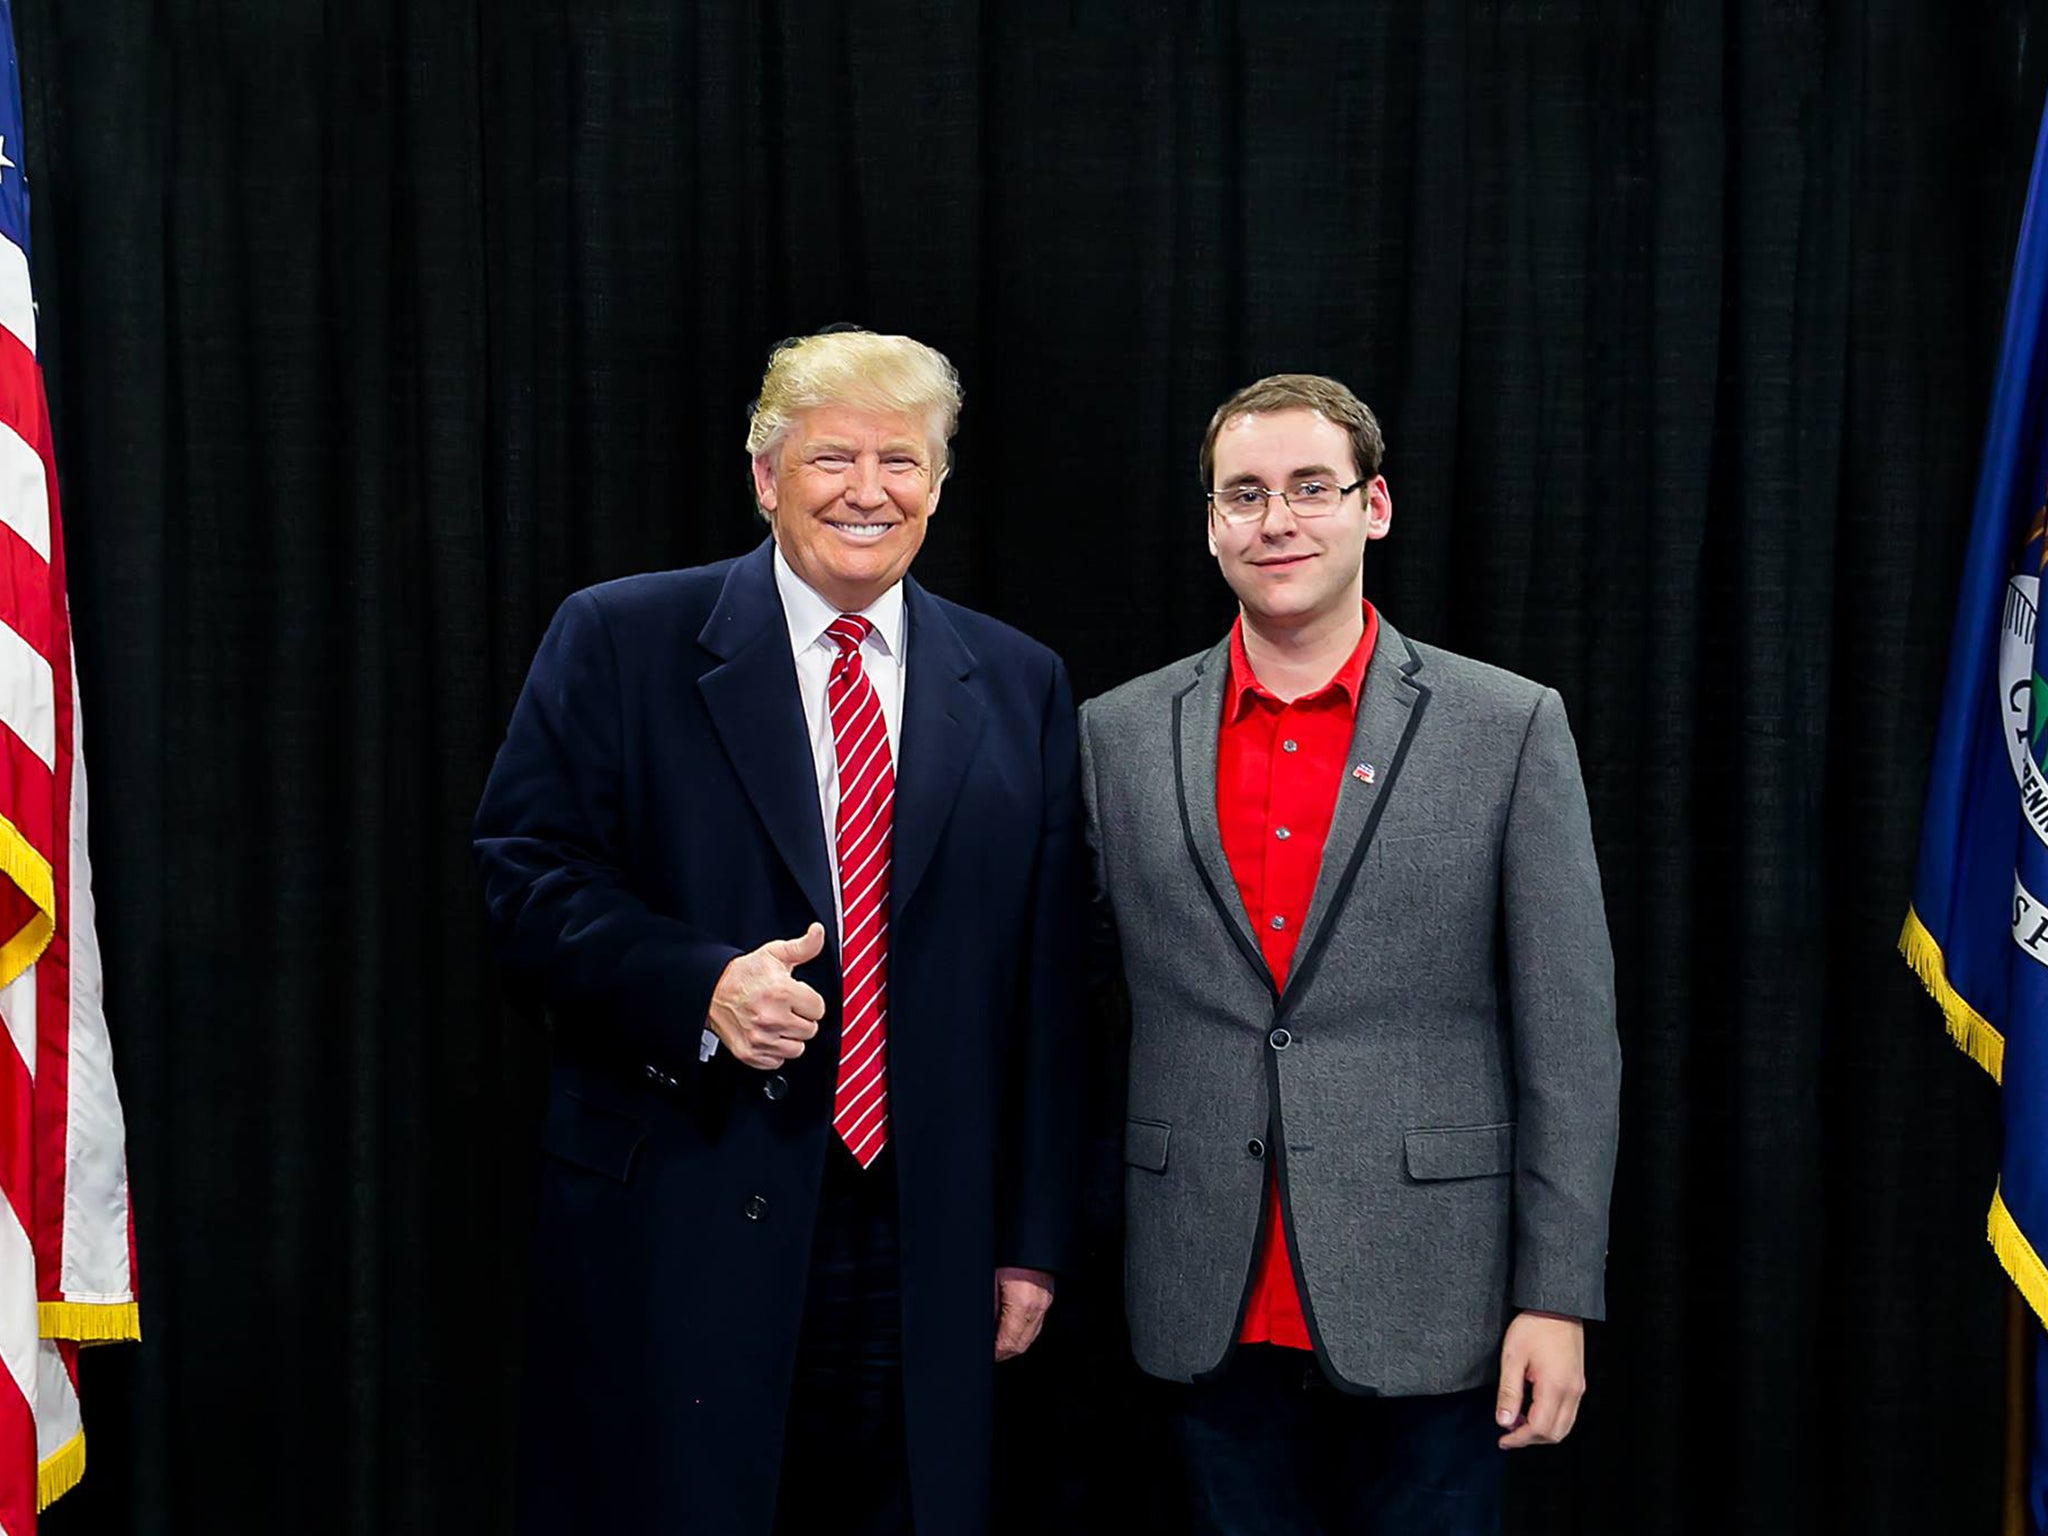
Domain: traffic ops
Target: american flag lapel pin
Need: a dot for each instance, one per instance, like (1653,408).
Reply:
(1363,773)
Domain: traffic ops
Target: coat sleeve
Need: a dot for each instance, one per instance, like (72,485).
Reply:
(549,842)
(1041,1153)
(1103,948)
(1106,1057)
(1567,1057)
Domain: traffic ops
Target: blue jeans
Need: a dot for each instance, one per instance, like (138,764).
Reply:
(1270,1448)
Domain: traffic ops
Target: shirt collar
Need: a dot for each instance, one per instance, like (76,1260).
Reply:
(808,614)
(1350,679)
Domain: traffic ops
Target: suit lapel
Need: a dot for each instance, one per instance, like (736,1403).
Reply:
(1197,716)
(942,720)
(759,715)
(1392,707)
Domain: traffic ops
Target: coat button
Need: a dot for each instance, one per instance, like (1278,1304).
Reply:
(1256,1147)
(776,1086)
(757,1207)
(1279,1039)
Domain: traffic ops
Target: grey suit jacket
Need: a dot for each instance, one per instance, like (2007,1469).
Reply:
(1438,1081)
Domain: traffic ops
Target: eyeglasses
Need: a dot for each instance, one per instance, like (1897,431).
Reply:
(1304,498)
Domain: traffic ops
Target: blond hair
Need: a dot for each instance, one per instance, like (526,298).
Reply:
(1301,392)
(859,369)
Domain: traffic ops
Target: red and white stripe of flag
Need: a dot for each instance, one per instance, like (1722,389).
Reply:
(66,1237)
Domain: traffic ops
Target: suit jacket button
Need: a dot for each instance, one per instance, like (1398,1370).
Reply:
(1256,1147)
(757,1207)
(1279,1039)
(655,1074)
(776,1086)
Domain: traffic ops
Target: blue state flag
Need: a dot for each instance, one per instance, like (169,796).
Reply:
(1977,933)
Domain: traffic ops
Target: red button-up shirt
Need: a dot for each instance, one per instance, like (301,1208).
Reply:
(1278,769)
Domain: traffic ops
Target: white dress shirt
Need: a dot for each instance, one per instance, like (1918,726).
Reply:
(814,651)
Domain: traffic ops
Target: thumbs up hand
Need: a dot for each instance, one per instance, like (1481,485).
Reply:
(759,1010)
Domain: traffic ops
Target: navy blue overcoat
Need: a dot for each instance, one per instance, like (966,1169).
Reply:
(654,813)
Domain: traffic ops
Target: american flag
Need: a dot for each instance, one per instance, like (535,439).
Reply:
(66,1239)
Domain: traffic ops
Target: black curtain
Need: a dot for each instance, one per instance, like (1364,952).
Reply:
(375,327)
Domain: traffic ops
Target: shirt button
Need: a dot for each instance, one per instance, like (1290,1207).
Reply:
(1287,746)
(1282,833)
(1279,923)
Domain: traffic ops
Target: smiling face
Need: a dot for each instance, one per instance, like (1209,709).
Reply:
(847,492)
(1289,571)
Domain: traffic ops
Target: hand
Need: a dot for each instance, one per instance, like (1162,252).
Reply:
(1022,1298)
(1545,1351)
(759,1010)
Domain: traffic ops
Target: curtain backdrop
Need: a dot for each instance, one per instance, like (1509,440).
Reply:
(377,326)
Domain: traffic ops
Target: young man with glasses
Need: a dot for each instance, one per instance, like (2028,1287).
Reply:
(1373,1066)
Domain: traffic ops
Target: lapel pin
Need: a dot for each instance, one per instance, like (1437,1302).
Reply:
(1363,773)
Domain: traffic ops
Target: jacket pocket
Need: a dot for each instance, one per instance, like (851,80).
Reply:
(1461,1151)
(1145,1144)
(591,1135)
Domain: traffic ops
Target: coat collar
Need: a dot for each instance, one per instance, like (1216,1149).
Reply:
(758,713)
(943,713)
(1396,695)
(759,716)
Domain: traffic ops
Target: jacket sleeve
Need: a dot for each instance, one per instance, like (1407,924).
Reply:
(1041,1151)
(1567,1058)
(549,842)
(1105,1061)
(1102,947)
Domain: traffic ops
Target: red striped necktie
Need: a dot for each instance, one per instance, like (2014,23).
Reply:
(867,790)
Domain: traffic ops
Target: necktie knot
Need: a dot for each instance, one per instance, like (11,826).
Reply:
(847,632)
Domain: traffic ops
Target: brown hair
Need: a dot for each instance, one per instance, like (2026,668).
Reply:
(1301,392)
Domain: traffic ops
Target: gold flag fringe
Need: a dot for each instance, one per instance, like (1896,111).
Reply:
(60,1474)
(2028,1273)
(1980,1041)
(30,872)
(90,1322)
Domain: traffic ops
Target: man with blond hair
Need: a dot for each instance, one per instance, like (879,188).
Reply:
(1373,1069)
(789,849)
